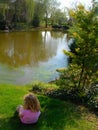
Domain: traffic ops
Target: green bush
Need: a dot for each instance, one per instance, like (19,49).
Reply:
(92,96)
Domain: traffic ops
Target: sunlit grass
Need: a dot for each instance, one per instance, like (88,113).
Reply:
(55,114)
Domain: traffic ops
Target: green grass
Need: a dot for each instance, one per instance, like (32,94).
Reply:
(55,114)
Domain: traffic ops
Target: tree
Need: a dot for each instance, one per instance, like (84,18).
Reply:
(83,70)
(49,9)
(3,8)
(58,17)
(3,13)
(38,13)
(29,10)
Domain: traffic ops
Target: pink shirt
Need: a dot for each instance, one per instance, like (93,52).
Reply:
(29,117)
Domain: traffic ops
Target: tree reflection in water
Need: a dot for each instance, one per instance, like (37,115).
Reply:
(33,49)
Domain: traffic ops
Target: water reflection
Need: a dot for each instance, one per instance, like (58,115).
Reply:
(26,48)
(33,53)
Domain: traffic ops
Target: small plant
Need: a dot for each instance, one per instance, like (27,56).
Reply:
(37,88)
(92,96)
(43,88)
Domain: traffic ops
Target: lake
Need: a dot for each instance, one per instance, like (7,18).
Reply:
(32,56)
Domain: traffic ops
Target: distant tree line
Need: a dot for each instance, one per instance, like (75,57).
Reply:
(32,13)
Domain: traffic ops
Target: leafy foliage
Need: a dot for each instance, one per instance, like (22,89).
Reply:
(82,73)
(30,12)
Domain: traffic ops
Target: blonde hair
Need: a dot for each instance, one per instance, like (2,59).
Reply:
(31,102)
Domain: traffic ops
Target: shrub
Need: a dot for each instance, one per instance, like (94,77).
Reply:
(92,96)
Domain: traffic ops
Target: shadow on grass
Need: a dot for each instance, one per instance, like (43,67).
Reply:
(55,115)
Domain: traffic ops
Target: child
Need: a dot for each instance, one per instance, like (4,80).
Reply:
(30,111)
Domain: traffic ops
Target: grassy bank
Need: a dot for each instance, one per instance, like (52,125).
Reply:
(55,114)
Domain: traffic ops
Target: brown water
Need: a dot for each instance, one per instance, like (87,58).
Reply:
(29,56)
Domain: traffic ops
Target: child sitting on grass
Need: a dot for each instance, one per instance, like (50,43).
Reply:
(30,111)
